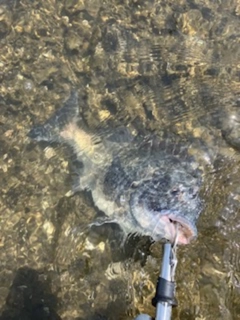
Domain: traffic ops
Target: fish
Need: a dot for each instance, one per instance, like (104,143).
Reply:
(147,185)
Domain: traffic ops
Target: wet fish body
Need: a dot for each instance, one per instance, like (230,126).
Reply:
(146,187)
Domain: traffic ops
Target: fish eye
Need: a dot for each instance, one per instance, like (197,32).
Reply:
(175,192)
(192,192)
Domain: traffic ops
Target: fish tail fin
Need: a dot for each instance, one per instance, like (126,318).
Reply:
(50,130)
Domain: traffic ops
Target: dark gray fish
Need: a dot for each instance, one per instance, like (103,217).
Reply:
(148,187)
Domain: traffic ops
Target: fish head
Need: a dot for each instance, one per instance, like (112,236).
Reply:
(167,206)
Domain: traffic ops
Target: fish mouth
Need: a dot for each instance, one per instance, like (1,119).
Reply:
(166,224)
(170,225)
(178,229)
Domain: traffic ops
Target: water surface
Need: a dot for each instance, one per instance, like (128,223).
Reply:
(154,66)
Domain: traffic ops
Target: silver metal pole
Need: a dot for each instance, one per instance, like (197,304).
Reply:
(164,309)
(166,266)
(164,298)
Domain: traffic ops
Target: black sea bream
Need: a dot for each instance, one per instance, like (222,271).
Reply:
(147,187)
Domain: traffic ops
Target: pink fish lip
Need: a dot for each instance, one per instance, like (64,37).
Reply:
(171,225)
(178,228)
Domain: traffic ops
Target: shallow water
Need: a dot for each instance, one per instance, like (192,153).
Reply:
(154,66)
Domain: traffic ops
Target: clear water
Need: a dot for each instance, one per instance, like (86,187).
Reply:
(154,66)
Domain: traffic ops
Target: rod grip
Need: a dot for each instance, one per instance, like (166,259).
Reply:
(165,292)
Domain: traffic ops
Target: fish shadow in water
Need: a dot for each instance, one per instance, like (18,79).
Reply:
(30,297)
